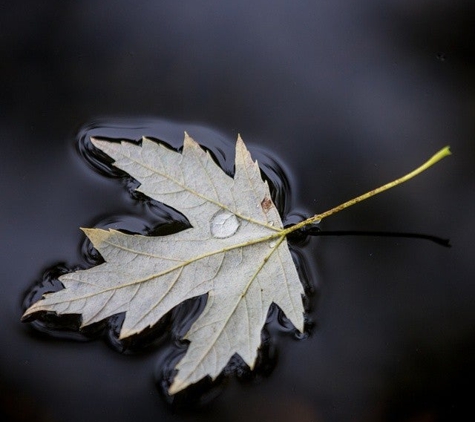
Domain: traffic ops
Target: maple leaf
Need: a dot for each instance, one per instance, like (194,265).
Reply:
(235,252)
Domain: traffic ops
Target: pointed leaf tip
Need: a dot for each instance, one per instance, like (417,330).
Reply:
(176,386)
(189,142)
(98,143)
(241,146)
(96,236)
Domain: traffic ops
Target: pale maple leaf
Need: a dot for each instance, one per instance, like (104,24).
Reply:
(235,252)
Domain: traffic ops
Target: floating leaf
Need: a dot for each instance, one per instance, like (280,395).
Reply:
(235,252)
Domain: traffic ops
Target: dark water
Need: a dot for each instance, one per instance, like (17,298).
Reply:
(343,96)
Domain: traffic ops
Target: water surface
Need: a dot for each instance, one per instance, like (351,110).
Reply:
(343,97)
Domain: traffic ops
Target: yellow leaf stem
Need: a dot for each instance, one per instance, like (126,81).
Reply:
(444,152)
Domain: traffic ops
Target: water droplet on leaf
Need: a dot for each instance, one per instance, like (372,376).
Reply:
(224,224)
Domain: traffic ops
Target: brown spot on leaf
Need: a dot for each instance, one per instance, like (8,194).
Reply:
(266,204)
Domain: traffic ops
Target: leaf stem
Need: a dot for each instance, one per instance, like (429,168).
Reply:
(444,152)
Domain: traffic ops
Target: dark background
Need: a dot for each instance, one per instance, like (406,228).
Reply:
(346,95)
